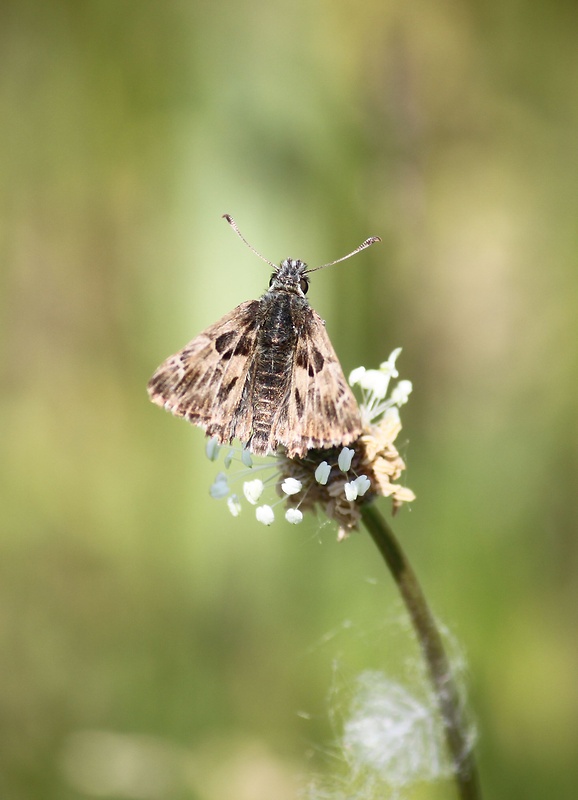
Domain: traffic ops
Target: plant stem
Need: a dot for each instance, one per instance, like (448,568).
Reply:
(460,747)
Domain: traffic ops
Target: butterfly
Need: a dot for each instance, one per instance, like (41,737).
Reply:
(266,373)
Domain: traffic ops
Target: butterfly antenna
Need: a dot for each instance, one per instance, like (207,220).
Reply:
(233,225)
(362,246)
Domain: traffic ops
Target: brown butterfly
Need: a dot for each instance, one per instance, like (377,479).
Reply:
(266,373)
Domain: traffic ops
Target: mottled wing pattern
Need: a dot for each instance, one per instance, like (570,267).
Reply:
(320,410)
(209,381)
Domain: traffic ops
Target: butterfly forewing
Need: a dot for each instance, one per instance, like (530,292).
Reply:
(208,382)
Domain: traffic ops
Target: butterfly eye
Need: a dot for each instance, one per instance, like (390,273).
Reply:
(272,278)
(304,284)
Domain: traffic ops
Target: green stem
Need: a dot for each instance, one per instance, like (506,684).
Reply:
(429,638)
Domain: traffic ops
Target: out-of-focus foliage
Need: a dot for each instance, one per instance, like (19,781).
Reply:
(150,645)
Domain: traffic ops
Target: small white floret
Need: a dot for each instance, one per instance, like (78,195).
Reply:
(212,449)
(265,514)
(291,486)
(253,490)
(234,505)
(345,459)
(322,473)
(220,487)
(294,516)
(227,461)
(356,488)
(351,491)
(246,457)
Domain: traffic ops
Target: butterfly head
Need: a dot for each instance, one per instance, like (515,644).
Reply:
(290,276)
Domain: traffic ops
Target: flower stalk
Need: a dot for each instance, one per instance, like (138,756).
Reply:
(343,482)
(430,641)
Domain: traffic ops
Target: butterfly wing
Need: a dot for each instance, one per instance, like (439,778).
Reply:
(209,381)
(319,410)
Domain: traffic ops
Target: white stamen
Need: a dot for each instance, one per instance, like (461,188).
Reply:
(265,515)
(322,473)
(220,487)
(227,461)
(246,457)
(401,393)
(351,491)
(363,484)
(376,382)
(375,385)
(345,459)
(294,516)
(212,449)
(253,490)
(291,486)
(389,365)
(356,376)
(234,505)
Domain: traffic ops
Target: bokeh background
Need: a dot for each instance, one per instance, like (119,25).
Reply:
(152,647)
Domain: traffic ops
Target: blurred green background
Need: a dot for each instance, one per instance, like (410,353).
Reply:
(150,645)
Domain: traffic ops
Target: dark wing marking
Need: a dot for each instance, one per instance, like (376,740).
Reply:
(320,410)
(208,382)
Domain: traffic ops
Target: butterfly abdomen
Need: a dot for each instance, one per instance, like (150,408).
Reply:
(276,341)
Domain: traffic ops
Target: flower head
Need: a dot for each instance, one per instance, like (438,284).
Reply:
(337,481)
(340,480)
